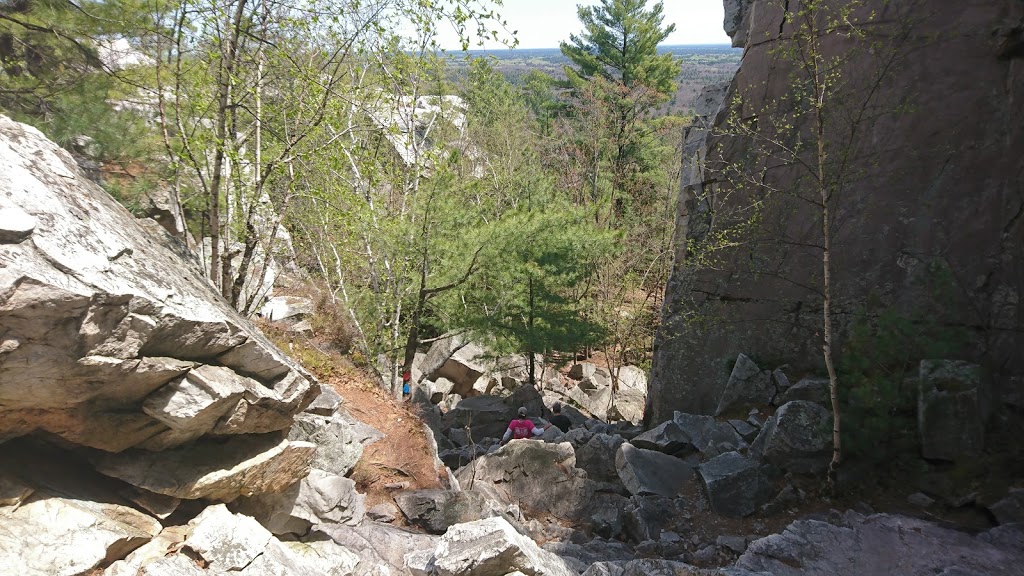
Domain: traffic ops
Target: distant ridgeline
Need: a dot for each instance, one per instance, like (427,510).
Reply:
(702,64)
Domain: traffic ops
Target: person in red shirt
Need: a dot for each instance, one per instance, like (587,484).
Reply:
(522,427)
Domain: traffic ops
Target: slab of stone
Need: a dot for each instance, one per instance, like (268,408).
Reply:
(537,475)
(326,402)
(492,547)
(437,510)
(51,535)
(597,455)
(917,547)
(340,440)
(582,370)
(797,438)
(667,437)
(810,389)
(289,309)
(708,435)
(319,498)
(951,409)
(15,225)
(1010,509)
(748,386)
(218,471)
(734,484)
(650,472)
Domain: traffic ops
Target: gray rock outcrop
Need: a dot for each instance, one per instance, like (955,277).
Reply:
(810,389)
(667,437)
(707,435)
(112,338)
(339,439)
(897,544)
(904,228)
(51,535)
(219,542)
(597,456)
(319,498)
(218,471)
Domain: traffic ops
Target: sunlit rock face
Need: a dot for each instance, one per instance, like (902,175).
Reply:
(929,220)
(110,337)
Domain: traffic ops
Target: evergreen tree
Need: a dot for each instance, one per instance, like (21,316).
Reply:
(620,44)
(618,80)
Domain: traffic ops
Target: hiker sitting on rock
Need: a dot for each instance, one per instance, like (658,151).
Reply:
(559,419)
(522,427)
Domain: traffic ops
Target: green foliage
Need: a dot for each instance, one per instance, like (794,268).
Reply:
(620,44)
(53,78)
(531,296)
(878,367)
(132,192)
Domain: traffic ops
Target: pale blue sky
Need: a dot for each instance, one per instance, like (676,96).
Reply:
(544,23)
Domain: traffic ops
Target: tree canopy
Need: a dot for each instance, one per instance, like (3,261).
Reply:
(620,44)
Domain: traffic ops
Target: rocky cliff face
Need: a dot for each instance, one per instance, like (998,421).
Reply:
(931,218)
(110,337)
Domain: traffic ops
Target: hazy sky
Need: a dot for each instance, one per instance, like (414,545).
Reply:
(544,23)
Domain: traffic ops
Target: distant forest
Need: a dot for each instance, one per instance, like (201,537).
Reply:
(702,64)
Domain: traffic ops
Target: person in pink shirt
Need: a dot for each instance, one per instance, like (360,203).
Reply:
(522,427)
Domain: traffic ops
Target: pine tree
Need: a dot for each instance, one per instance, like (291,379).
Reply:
(620,44)
(618,79)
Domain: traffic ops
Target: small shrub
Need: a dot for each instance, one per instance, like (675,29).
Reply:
(878,369)
(332,324)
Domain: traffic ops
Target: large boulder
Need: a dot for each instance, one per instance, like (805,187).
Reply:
(798,438)
(381,549)
(213,470)
(488,416)
(594,398)
(109,326)
(649,472)
(735,485)
(897,544)
(437,510)
(492,547)
(748,386)
(465,363)
(633,378)
(539,476)
(667,437)
(707,435)
(1009,510)
(815,390)
(50,535)
(951,409)
(646,517)
(218,542)
(627,405)
(320,498)
(287,309)
(597,456)
(582,370)
(339,439)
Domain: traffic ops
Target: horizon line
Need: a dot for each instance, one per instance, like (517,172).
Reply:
(479,49)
